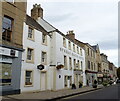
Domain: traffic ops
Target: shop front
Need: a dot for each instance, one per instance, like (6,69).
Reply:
(10,67)
(90,76)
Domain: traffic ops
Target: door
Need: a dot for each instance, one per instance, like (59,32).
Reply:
(43,81)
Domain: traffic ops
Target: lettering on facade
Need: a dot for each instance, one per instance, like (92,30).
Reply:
(5,59)
(70,53)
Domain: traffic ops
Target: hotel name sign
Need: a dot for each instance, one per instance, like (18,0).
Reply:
(71,53)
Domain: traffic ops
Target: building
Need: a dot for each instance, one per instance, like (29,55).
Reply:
(12,16)
(51,61)
(98,63)
(112,71)
(91,64)
(91,61)
(104,68)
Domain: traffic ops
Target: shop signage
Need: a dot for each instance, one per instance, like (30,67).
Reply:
(5,59)
(8,52)
(71,53)
(99,75)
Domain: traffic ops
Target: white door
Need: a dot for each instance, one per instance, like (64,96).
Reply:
(43,81)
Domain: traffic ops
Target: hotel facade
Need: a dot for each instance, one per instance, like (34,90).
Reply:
(51,61)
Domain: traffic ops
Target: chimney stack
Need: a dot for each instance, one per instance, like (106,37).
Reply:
(36,12)
(71,34)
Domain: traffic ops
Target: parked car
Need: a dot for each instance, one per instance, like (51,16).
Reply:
(118,81)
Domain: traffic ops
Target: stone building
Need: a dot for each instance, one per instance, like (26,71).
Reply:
(91,64)
(91,67)
(112,71)
(12,16)
(104,67)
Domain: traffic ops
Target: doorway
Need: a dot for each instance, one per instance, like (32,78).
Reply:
(43,81)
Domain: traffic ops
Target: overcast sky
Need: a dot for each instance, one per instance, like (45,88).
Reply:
(93,21)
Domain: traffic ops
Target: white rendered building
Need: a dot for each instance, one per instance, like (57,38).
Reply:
(51,61)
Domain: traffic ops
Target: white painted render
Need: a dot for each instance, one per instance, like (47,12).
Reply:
(59,57)
(55,56)
(38,48)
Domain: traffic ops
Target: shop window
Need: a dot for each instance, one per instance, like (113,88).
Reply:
(6,73)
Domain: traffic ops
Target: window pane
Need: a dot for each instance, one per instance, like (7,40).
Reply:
(6,28)
(7,23)
(28,78)
(30,32)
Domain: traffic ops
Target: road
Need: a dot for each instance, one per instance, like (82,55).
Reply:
(111,92)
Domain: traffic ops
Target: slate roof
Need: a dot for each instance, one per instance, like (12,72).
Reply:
(33,23)
(48,27)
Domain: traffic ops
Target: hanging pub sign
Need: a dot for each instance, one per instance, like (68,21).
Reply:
(40,67)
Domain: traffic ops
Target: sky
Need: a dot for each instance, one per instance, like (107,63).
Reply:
(93,21)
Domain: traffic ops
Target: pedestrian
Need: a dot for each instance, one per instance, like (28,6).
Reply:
(95,81)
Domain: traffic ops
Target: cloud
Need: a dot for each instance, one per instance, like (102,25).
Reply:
(110,44)
(112,55)
(93,21)
(59,18)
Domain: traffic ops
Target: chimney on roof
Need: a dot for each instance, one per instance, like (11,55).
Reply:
(36,12)
(71,34)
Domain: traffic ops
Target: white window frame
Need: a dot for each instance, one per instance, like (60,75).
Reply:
(32,55)
(30,34)
(31,78)
(64,42)
(44,39)
(69,45)
(65,62)
(44,57)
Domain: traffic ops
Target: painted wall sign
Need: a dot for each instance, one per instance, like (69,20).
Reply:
(71,53)
(5,59)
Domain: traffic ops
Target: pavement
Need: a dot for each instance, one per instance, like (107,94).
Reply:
(51,95)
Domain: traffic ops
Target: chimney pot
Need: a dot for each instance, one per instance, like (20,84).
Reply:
(71,34)
(36,12)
